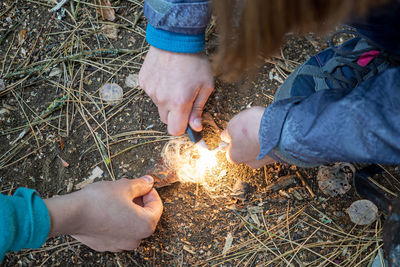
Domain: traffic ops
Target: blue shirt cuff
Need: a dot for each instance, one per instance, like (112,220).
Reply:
(26,221)
(271,126)
(175,42)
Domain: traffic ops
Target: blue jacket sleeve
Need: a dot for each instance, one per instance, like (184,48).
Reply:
(24,221)
(177,25)
(361,125)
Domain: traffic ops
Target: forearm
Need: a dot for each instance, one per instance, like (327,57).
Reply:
(65,213)
(334,125)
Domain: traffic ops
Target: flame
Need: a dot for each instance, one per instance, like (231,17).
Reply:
(192,163)
(206,161)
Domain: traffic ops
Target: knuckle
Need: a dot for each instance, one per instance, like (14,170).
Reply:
(233,158)
(148,230)
(176,130)
(180,102)
(124,181)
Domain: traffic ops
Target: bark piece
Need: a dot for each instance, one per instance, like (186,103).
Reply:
(282,183)
(335,180)
(162,175)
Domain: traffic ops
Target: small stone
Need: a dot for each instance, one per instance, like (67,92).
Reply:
(2,85)
(55,72)
(4,111)
(363,212)
(111,93)
(132,81)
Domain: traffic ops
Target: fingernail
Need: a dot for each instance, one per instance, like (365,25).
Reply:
(224,136)
(197,122)
(148,178)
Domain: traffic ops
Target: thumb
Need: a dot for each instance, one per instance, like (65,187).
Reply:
(197,110)
(152,204)
(226,137)
(141,186)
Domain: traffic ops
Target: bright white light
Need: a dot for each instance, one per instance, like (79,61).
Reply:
(192,163)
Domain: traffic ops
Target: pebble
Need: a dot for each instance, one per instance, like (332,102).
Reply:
(132,81)
(2,85)
(111,93)
(363,212)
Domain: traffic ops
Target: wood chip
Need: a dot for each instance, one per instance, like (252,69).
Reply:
(70,186)
(83,184)
(296,194)
(188,249)
(283,193)
(62,144)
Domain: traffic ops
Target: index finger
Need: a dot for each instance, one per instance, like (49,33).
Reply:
(178,121)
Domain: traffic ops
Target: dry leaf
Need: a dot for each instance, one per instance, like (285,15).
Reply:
(228,243)
(63,162)
(106,12)
(22,36)
(110,31)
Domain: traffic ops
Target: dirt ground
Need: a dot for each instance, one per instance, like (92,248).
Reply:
(45,56)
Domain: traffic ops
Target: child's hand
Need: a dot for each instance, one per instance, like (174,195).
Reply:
(242,136)
(108,216)
(179,84)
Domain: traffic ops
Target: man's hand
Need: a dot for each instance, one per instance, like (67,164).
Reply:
(108,216)
(242,136)
(179,84)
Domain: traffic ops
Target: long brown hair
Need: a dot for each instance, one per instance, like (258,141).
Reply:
(249,29)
